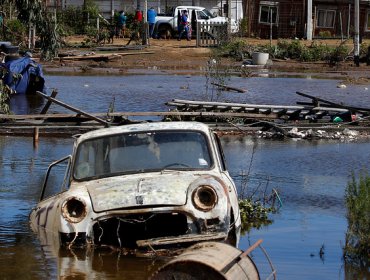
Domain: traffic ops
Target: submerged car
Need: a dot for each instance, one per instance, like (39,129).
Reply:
(142,186)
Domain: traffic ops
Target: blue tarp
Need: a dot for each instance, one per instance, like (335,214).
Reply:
(32,78)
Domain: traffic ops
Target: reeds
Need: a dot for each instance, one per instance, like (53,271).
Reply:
(357,245)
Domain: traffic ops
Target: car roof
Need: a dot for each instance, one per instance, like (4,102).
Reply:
(190,7)
(151,126)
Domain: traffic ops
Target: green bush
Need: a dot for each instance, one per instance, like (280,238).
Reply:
(254,214)
(292,49)
(287,49)
(243,26)
(5,93)
(338,54)
(325,34)
(15,31)
(77,20)
(315,52)
(357,245)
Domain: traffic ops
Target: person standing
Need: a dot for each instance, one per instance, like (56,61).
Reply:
(184,26)
(121,24)
(151,21)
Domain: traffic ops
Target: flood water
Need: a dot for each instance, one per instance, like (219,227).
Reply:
(310,177)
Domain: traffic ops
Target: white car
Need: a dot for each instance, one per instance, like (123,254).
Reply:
(141,186)
(169,23)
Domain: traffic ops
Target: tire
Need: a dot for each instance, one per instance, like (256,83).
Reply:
(164,31)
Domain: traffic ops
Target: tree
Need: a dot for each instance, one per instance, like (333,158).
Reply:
(34,12)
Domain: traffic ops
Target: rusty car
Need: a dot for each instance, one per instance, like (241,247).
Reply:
(140,187)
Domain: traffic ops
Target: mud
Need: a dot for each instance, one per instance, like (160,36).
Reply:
(184,57)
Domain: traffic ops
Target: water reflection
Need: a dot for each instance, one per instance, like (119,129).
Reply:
(137,92)
(97,263)
(26,104)
(312,215)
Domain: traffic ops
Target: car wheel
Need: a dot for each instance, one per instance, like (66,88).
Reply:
(164,32)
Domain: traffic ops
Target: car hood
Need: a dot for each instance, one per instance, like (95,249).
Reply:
(140,190)
(218,19)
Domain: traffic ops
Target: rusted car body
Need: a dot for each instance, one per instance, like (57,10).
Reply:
(141,186)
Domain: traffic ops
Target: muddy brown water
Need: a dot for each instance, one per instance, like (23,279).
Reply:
(310,176)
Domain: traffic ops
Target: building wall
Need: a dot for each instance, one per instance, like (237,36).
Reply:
(344,19)
(107,7)
(290,19)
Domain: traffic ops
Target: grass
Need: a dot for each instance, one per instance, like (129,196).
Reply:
(357,244)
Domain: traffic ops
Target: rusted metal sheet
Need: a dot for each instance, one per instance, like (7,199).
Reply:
(209,260)
(182,239)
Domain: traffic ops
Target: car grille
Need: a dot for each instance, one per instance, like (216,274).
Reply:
(125,231)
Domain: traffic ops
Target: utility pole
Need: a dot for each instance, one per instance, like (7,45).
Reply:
(309,21)
(356,54)
(146,25)
(229,19)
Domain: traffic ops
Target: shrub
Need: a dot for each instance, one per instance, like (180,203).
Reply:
(357,245)
(253,214)
(5,93)
(77,20)
(15,31)
(338,54)
(315,52)
(243,26)
(325,34)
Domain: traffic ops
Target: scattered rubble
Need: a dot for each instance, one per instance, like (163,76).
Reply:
(345,134)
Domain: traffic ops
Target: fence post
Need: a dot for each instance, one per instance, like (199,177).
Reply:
(198,33)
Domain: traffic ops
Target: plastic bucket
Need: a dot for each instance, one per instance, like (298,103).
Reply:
(259,58)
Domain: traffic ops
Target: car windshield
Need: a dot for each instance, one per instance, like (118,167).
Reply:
(208,13)
(141,152)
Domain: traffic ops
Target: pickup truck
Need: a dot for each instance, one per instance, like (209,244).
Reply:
(168,24)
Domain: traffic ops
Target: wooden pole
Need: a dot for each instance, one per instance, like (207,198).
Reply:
(47,105)
(35,137)
(357,34)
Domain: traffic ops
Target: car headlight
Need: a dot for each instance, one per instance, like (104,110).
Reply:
(74,210)
(204,198)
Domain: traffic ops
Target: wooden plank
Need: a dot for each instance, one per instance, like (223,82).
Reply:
(305,112)
(142,114)
(181,239)
(91,57)
(48,103)
(245,105)
(104,56)
(279,111)
(320,114)
(311,104)
(229,87)
(71,108)
(333,103)
(330,109)
(292,112)
(265,110)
